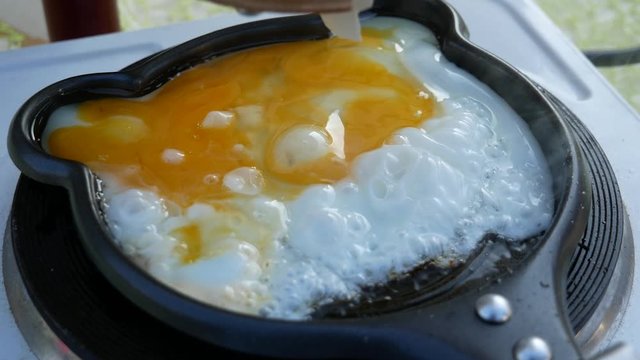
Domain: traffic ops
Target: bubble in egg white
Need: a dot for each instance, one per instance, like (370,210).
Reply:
(210,179)
(238,148)
(300,146)
(217,120)
(173,156)
(244,180)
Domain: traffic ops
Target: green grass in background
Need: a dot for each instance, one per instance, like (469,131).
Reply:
(603,24)
(10,38)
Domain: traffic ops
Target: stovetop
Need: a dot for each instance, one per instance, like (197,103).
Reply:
(518,31)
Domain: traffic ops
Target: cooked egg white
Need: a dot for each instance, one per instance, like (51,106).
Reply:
(278,179)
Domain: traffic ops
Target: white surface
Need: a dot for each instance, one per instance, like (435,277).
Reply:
(517,31)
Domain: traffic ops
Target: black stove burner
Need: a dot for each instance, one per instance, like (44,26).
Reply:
(597,253)
(95,321)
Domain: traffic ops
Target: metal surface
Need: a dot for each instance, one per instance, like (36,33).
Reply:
(41,340)
(532,348)
(558,66)
(493,308)
(607,318)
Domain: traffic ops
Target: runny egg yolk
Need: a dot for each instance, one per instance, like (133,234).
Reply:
(288,115)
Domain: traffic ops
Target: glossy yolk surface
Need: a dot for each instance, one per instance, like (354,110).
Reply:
(297,112)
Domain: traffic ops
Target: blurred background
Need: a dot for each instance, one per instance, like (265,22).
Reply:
(591,24)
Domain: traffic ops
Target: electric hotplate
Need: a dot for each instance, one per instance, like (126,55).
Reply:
(64,305)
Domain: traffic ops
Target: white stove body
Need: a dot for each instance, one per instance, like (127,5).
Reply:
(518,31)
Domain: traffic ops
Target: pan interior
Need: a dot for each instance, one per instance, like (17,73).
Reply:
(429,280)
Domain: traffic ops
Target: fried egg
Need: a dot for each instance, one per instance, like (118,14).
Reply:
(275,180)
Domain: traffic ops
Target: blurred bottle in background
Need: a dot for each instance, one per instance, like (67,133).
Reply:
(70,19)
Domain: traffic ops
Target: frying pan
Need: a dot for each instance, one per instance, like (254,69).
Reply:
(445,324)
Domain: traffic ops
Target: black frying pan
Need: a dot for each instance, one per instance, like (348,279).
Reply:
(443,324)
